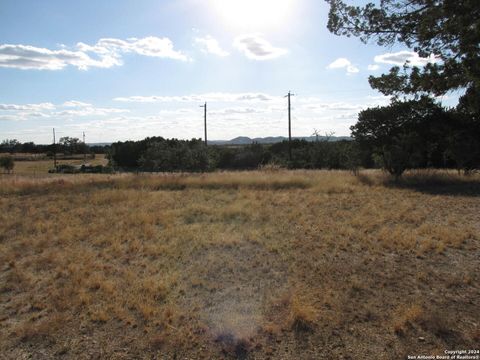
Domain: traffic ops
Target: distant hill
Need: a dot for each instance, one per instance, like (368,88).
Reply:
(244,140)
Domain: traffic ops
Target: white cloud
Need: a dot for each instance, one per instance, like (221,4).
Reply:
(144,99)
(255,47)
(341,63)
(19,112)
(28,57)
(238,110)
(90,111)
(237,114)
(22,116)
(27,107)
(149,46)
(211,46)
(316,106)
(74,103)
(399,58)
(379,99)
(373,67)
(334,106)
(218,97)
(252,114)
(10,118)
(106,53)
(254,97)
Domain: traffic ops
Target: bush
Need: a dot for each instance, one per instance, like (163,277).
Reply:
(98,169)
(65,169)
(404,134)
(175,155)
(7,163)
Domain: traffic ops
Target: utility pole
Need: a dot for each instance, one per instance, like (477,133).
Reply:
(84,150)
(54,151)
(205,120)
(289,95)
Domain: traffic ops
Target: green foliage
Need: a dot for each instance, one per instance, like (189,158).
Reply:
(354,157)
(127,154)
(463,143)
(68,147)
(448,29)
(175,155)
(97,169)
(158,154)
(245,157)
(400,153)
(402,134)
(71,146)
(65,169)
(10,145)
(7,163)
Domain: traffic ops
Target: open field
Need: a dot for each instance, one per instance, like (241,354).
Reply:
(41,166)
(267,264)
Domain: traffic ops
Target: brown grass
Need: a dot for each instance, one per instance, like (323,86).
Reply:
(286,264)
(40,166)
(302,315)
(407,316)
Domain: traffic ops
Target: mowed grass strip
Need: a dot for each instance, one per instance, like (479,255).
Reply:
(286,264)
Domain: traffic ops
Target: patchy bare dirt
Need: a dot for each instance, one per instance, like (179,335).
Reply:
(289,265)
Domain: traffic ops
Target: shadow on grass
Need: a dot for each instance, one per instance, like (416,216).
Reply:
(428,182)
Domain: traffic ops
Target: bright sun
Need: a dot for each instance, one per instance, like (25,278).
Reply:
(254,13)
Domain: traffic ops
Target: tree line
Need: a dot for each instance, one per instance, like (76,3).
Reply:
(66,146)
(412,134)
(408,134)
(159,154)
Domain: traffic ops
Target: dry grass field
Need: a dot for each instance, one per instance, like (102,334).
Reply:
(40,167)
(256,265)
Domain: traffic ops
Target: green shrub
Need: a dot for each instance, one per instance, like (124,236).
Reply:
(7,163)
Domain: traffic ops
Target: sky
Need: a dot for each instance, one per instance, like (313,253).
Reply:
(124,70)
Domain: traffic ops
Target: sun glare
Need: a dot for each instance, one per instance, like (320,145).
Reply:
(254,13)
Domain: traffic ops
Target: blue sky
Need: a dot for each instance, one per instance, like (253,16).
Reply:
(123,69)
